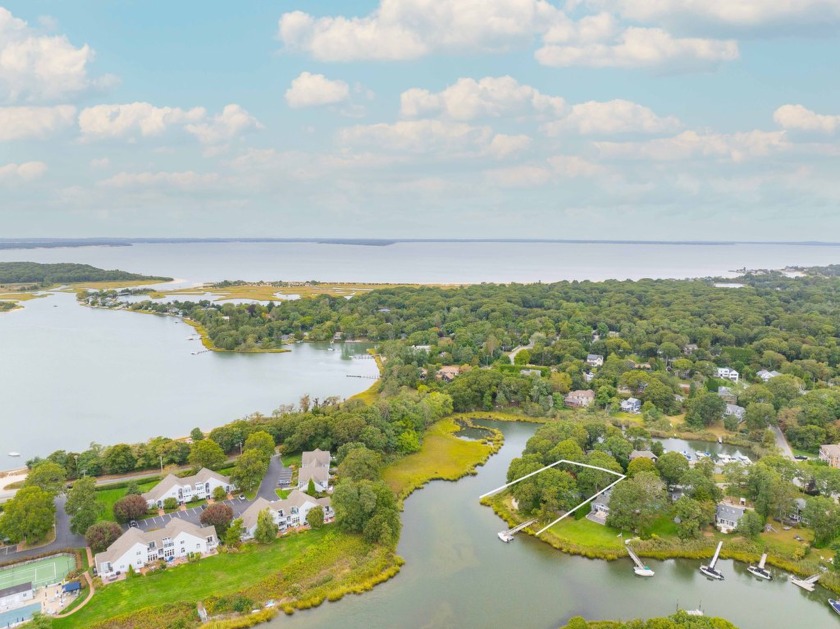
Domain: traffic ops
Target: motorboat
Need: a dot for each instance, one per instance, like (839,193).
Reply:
(15,454)
(710,570)
(835,605)
(643,571)
(760,571)
(506,537)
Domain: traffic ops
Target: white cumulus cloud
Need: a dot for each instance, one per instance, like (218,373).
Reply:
(469,98)
(799,118)
(731,13)
(736,147)
(409,29)
(314,90)
(233,121)
(25,171)
(36,67)
(130,120)
(638,47)
(18,123)
(118,121)
(612,117)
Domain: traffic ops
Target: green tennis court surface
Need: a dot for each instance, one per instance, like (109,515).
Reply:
(40,573)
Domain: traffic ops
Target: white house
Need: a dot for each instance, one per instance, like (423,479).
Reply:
(315,465)
(137,548)
(631,405)
(728,373)
(287,514)
(830,453)
(594,360)
(199,486)
(16,596)
(766,376)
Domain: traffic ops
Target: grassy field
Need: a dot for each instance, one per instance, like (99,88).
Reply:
(291,569)
(588,534)
(107,498)
(443,456)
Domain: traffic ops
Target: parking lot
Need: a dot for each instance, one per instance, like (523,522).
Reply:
(191,514)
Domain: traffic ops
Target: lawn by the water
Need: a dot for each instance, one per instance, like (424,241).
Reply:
(298,557)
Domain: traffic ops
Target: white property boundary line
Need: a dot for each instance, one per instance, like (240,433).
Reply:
(588,500)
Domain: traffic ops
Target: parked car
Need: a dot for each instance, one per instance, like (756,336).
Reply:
(133,524)
(242,497)
(203,507)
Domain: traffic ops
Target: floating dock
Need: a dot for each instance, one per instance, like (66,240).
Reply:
(507,536)
(808,584)
(641,569)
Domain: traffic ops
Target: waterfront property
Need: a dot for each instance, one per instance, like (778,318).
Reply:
(728,373)
(580,399)
(136,548)
(830,453)
(727,395)
(196,487)
(289,513)
(315,466)
(727,516)
(600,508)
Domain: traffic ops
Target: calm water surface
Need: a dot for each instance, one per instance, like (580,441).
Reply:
(443,262)
(70,375)
(459,575)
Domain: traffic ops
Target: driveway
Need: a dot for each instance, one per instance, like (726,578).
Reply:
(276,470)
(782,444)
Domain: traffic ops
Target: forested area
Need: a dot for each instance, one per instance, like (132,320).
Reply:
(64,273)
(662,341)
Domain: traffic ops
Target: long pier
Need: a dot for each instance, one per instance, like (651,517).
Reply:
(507,536)
(634,556)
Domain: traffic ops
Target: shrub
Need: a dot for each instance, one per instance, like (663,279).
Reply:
(130,507)
(170,504)
(219,493)
(101,535)
(219,515)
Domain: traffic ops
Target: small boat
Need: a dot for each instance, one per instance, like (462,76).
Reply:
(720,440)
(330,349)
(686,454)
(710,570)
(506,537)
(835,605)
(14,453)
(760,570)
(644,571)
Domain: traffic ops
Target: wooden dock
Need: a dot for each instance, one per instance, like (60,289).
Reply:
(808,584)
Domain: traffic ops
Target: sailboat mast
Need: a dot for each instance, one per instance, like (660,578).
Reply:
(715,558)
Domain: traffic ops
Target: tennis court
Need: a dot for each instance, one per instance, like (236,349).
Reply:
(40,573)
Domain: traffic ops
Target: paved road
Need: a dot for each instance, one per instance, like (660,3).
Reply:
(782,444)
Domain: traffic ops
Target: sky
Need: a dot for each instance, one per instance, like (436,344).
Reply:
(584,119)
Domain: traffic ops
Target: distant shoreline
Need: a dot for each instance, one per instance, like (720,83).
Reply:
(55,243)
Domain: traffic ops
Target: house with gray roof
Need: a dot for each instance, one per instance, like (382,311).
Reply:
(643,454)
(16,595)
(733,410)
(631,405)
(137,548)
(594,360)
(198,486)
(766,376)
(289,513)
(727,516)
(315,466)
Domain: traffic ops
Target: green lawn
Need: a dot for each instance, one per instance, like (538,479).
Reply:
(107,498)
(255,570)
(588,534)
(664,527)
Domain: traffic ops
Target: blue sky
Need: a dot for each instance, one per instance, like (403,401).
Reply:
(642,119)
